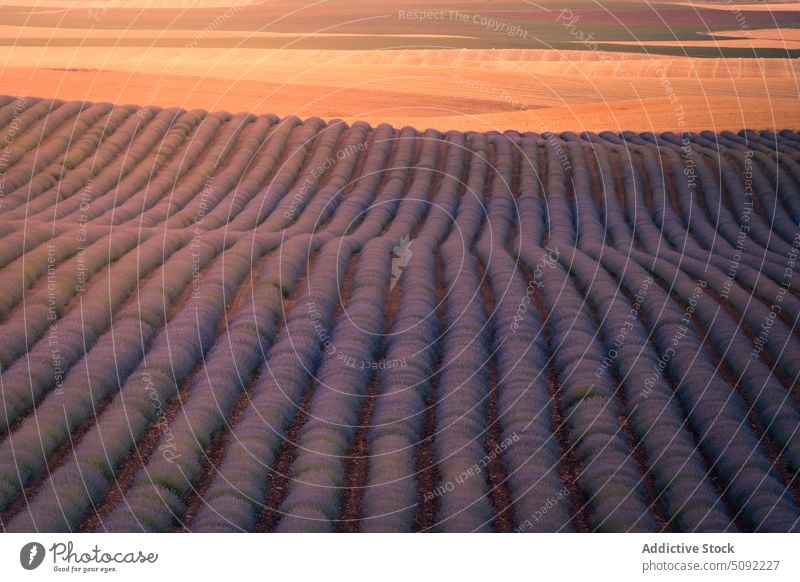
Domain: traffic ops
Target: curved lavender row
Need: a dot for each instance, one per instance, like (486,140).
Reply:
(717,415)
(17,243)
(292,159)
(210,183)
(201,431)
(766,142)
(11,106)
(713,185)
(361,203)
(784,165)
(87,144)
(738,274)
(29,377)
(772,402)
(780,425)
(680,473)
(780,224)
(338,183)
(390,497)
(87,122)
(77,485)
(463,396)
(523,401)
(609,477)
(159,168)
(128,166)
(785,174)
(200,152)
(770,231)
(22,272)
(139,162)
(686,230)
(40,194)
(34,128)
(229,366)
(255,175)
(98,374)
(27,116)
(695,220)
(306,181)
(317,474)
(771,246)
(45,301)
(754,313)
(721,253)
(66,172)
(237,492)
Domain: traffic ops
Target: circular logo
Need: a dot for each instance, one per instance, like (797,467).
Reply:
(31,555)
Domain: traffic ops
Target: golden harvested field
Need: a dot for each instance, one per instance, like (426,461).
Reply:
(357,61)
(446,89)
(140,4)
(212,318)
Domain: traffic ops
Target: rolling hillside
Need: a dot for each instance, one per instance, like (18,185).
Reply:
(234,322)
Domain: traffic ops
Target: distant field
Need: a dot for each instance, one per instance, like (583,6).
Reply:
(445,89)
(475,24)
(619,65)
(342,266)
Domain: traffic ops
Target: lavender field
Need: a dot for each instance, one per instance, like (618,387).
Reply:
(228,322)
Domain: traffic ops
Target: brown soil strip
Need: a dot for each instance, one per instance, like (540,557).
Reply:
(772,450)
(139,456)
(569,469)
(500,495)
(356,465)
(637,452)
(427,470)
(213,456)
(714,477)
(617,160)
(278,482)
(602,185)
(59,457)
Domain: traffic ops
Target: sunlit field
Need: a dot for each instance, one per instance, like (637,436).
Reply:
(369,267)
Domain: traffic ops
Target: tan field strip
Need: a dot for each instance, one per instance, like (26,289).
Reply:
(108,4)
(446,89)
(792,34)
(150,36)
(653,114)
